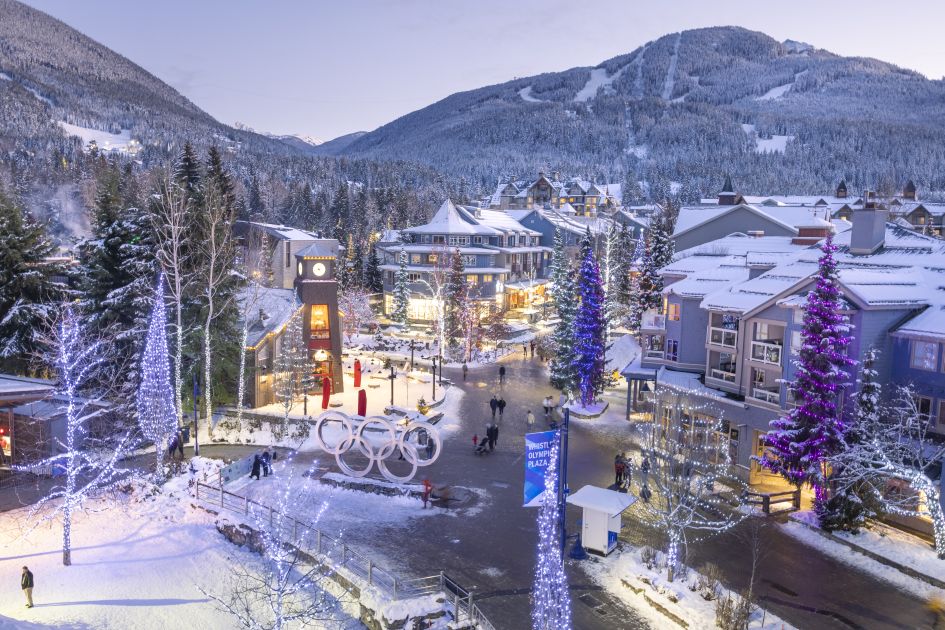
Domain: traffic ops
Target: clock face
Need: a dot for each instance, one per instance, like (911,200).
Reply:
(318,269)
(301,267)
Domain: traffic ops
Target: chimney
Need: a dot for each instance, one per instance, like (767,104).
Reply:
(869,226)
(756,233)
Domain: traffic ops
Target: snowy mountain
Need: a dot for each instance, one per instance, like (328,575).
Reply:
(689,107)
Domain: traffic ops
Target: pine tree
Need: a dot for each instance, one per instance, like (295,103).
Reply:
(551,607)
(589,326)
(850,505)
(28,294)
(623,284)
(560,267)
(657,254)
(401,291)
(117,270)
(187,173)
(801,441)
(373,276)
(454,300)
(564,363)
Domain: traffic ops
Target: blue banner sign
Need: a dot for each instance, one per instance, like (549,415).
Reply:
(537,455)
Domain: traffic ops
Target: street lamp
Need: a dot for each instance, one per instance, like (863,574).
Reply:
(392,376)
(434,377)
(413,344)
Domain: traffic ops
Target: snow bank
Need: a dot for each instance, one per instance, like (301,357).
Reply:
(597,80)
(526,94)
(774,144)
(775,92)
(120,142)
(624,575)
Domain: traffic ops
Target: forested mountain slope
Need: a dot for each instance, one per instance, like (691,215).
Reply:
(688,107)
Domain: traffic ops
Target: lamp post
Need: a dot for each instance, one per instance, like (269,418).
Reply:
(413,344)
(392,376)
(434,377)
(563,489)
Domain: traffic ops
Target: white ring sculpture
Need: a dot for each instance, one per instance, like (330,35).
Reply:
(397,440)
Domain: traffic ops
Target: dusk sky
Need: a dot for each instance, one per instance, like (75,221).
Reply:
(330,68)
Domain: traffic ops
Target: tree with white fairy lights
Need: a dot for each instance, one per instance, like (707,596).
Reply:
(289,589)
(551,601)
(689,489)
(801,442)
(91,448)
(590,343)
(157,415)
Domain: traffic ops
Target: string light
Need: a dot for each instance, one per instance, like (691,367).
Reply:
(157,415)
(801,441)
(589,326)
(551,608)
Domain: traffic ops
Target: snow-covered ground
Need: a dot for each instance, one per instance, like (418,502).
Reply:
(106,141)
(776,92)
(624,567)
(670,82)
(884,541)
(526,94)
(138,563)
(774,144)
(595,82)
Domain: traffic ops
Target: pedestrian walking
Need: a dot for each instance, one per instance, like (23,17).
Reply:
(525,350)
(619,467)
(547,404)
(257,464)
(494,405)
(644,470)
(465,369)
(501,373)
(266,466)
(501,407)
(180,444)
(427,492)
(429,447)
(26,583)
(627,471)
(484,442)
(531,346)
(645,494)
(495,436)
(530,419)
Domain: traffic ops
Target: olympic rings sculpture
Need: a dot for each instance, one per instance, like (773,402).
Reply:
(396,439)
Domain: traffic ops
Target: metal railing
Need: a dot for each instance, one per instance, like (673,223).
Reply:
(722,375)
(653,321)
(723,337)
(766,352)
(772,397)
(339,554)
(767,499)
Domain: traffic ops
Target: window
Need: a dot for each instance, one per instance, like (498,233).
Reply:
(511,241)
(432,258)
(924,355)
(469,261)
(425,238)
(672,349)
(923,405)
(288,254)
(673,312)
(414,259)
(796,342)
(477,240)
(487,277)
(438,239)
(413,277)
(471,278)
(459,240)
(941,411)
(318,322)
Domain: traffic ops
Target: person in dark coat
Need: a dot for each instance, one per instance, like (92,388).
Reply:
(494,405)
(501,407)
(501,373)
(257,463)
(619,467)
(495,437)
(180,444)
(266,466)
(644,470)
(26,583)
(465,369)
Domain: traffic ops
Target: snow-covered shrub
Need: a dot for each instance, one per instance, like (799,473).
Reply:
(708,582)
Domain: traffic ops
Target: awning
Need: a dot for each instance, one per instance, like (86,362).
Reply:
(609,502)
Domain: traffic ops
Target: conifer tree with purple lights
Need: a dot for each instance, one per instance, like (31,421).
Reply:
(589,326)
(157,414)
(800,442)
(551,602)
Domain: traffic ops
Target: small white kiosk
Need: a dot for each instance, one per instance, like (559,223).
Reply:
(600,523)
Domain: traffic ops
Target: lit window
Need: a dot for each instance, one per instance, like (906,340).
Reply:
(471,278)
(414,259)
(432,258)
(674,310)
(924,355)
(672,349)
(319,319)
(487,277)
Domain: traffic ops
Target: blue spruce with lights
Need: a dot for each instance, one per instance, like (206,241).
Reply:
(157,416)
(551,607)
(589,326)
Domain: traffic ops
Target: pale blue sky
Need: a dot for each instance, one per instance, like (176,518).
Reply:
(329,67)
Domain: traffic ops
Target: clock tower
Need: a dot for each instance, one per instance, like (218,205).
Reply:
(317,287)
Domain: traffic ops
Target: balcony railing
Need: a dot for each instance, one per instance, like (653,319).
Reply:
(722,375)
(654,354)
(653,321)
(766,352)
(723,337)
(772,397)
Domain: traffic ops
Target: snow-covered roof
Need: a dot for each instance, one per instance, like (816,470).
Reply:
(929,324)
(20,387)
(739,244)
(603,500)
(451,220)
(266,309)
(284,232)
(501,221)
(322,248)
(703,283)
(788,217)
